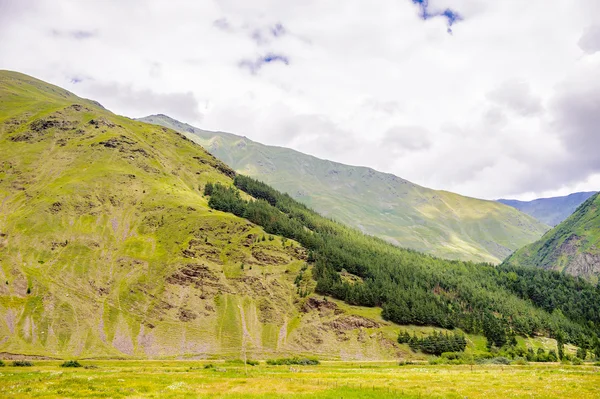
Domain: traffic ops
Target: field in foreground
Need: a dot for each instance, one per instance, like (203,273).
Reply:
(189,379)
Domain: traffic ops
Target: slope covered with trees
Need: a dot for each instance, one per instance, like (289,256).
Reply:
(572,247)
(413,288)
(438,222)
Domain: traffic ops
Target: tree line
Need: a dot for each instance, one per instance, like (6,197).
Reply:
(416,288)
(435,343)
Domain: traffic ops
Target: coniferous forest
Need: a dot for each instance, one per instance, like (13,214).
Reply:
(414,288)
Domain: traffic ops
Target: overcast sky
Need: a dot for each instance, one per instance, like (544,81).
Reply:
(485,98)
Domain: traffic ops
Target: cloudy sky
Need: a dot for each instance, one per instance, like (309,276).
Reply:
(485,98)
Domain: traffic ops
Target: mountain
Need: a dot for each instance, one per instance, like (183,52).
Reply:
(437,222)
(124,239)
(108,247)
(572,247)
(550,211)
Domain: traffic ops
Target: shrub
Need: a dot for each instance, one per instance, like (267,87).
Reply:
(577,361)
(1,363)
(71,363)
(451,355)
(249,362)
(520,361)
(499,360)
(293,361)
(22,363)
(437,360)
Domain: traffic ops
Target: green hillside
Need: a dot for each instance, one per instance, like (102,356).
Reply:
(572,247)
(437,222)
(124,239)
(414,288)
(553,210)
(108,247)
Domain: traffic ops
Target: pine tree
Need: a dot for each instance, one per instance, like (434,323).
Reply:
(560,343)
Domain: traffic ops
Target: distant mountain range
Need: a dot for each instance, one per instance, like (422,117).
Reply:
(553,210)
(572,247)
(437,222)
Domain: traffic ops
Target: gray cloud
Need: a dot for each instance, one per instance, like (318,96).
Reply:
(352,76)
(517,96)
(222,24)
(406,138)
(590,40)
(133,102)
(577,120)
(77,34)
(495,117)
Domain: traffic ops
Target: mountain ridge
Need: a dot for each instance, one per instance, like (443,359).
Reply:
(404,213)
(552,210)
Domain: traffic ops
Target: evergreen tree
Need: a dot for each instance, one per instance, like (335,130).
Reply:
(560,345)
(494,331)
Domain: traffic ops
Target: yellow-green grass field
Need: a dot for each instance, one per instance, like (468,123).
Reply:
(189,379)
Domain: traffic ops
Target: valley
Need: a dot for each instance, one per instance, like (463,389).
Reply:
(126,240)
(290,200)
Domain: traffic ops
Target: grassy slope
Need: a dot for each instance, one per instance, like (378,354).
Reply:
(572,247)
(437,222)
(551,211)
(108,248)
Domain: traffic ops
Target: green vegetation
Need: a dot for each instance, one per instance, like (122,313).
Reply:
(22,363)
(441,223)
(71,363)
(289,361)
(572,247)
(414,288)
(108,248)
(330,380)
(434,344)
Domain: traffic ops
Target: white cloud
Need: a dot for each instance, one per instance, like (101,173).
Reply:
(516,96)
(502,107)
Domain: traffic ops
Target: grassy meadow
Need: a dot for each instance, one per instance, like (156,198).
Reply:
(192,379)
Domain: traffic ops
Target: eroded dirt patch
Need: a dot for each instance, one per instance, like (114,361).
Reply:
(347,323)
